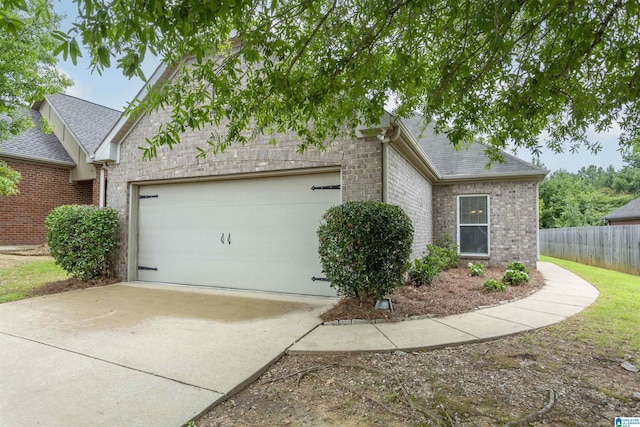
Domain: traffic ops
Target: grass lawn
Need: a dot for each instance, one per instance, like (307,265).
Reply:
(613,321)
(18,278)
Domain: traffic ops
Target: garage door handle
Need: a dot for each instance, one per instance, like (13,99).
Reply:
(229,238)
(222,239)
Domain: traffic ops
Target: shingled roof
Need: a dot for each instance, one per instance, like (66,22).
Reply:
(468,162)
(629,211)
(36,145)
(89,122)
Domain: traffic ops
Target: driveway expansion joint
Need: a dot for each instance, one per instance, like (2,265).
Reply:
(111,363)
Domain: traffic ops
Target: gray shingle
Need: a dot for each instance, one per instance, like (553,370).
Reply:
(468,162)
(36,144)
(89,122)
(629,211)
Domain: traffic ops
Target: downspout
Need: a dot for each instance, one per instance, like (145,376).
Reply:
(395,134)
(538,221)
(102,197)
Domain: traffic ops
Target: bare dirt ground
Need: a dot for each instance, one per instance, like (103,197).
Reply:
(486,384)
(453,292)
(542,377)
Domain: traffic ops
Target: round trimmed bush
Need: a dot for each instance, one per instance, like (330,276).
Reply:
(81,239)
(365,248)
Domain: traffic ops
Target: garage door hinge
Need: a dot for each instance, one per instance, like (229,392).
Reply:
(148,196)
(147,268)
(319,279)
(326,187)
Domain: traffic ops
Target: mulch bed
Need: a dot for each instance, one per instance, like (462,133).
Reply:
(72,284)
(453,292)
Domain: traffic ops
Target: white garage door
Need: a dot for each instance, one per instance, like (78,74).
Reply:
(257,233)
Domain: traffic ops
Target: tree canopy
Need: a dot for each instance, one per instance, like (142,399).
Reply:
(27,63)
(584,198)
(27,71)
(502,71)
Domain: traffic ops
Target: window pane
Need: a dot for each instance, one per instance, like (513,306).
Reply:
(474,239)
(473,210)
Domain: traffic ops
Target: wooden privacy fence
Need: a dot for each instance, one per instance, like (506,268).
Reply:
(615,247)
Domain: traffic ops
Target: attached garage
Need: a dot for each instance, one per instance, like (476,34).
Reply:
(249,233)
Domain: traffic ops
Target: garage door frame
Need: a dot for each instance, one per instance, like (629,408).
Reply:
(134,191)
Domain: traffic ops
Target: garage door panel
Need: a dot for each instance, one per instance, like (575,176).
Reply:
(272,224)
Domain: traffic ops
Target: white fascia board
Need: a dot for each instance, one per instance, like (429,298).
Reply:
(37,159)
(109,148)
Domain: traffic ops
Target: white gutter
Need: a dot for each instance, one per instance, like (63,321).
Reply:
(36,159)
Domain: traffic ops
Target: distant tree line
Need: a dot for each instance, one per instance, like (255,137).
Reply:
(584,198)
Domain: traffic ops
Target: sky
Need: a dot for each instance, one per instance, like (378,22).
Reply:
(113,90)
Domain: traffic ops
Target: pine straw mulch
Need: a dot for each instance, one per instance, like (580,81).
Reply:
(41,250)
(72,284)
(453,292)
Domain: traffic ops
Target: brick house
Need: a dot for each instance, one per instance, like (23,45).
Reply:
(246,218)
(57,168)
(628,214)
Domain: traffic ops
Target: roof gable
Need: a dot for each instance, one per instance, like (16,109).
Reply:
(629,211)
(36,145)
(88,122)
(469,162)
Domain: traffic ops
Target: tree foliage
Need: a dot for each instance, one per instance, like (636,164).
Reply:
(504,71)
(27,63)
(9,180)
(27,70)
(584,198)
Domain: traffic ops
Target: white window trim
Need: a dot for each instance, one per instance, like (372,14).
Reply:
(488,225)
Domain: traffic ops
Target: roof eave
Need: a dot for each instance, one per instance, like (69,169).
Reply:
(37,159)
(522,176)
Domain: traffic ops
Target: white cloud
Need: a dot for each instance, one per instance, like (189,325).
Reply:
(81,90)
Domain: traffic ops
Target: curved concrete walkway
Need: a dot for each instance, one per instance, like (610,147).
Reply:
(563,295)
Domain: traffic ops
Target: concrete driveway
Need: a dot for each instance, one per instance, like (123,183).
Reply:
(139,354)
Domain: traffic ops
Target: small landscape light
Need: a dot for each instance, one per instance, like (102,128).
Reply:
(384,304)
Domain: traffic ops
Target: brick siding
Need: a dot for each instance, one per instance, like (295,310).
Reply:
(409,189)
(513,217)
(43,188)
(359,160)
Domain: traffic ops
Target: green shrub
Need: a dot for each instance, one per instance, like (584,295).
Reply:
(81,239)
(476,269)
(515,277)
(493,285)
(423,273)
(443,253)
(517,265)
(364,248)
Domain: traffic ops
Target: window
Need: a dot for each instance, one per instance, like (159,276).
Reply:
(473,225)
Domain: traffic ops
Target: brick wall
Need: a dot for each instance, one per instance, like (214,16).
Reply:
(513,221)
(409,189)
(359,160)
(43,187)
